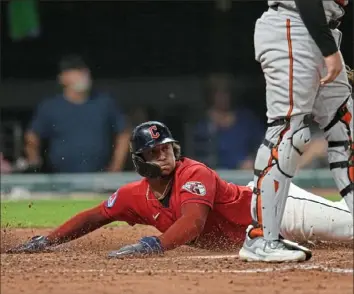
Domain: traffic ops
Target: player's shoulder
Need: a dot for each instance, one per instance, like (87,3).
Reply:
(124,197)
(135,188)
(186,162)
(189,166)
(127,194)
(195,177)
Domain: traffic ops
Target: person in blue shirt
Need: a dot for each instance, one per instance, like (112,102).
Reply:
(227,137)
(85,130)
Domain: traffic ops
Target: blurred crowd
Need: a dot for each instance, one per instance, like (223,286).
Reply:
(82,129)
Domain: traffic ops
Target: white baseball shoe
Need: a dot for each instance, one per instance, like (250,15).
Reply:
(259,249)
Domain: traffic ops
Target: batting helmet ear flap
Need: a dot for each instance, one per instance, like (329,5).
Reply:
(146,169)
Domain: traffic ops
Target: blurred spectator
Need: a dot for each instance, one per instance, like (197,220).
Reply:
(138,115)
(226,137)
(5,165)
(80,125)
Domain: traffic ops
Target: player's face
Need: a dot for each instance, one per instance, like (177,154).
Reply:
(162,155)
(78,80)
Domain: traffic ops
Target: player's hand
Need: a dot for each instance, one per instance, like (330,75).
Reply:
(34,245)
(146,246)
(334,67)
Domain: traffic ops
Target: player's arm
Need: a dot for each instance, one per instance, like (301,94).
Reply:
(313,15)
(197,197)
(187,228)
(122,133)
(40,128)
(79,225)
(121,150)
(314,18)
(32,147)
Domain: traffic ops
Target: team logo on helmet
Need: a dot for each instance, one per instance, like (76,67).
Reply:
(196,188)
(153,132)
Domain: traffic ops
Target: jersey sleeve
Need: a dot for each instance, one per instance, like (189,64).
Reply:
(314,17)
(116,208)
(198,185)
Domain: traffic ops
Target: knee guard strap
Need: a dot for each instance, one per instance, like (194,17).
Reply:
(339,134)
(296,132)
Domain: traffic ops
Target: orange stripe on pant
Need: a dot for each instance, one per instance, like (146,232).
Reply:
(291,67)
(347,120)
(258,232)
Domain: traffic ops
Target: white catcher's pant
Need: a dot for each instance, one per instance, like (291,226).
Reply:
(308,217)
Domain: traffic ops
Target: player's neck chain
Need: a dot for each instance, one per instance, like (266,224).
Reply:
(163,195)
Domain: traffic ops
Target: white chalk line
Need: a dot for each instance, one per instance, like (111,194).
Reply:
(199,271)
(191,257)
(201,257)
(249,271)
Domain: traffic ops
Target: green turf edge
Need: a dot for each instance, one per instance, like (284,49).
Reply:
(44,213)
(52,213)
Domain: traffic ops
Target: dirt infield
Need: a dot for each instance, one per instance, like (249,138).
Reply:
(81,267)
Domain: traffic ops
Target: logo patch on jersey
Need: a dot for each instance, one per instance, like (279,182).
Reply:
(196,188)
(112,199)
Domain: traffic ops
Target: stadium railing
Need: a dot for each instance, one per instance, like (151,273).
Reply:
(104,182)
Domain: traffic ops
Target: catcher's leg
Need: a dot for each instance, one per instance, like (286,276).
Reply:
(308,217)
(333,111)
(282,48)
(275,165)
(339,134)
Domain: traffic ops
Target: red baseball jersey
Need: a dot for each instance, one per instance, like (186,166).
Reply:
(193,182)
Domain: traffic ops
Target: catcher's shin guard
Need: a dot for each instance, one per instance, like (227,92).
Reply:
(339,134)
(275,165)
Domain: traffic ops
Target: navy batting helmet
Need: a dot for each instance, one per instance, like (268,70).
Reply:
(148,135)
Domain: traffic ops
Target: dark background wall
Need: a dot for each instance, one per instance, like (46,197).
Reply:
(154,53)
(146,38)
(129,39)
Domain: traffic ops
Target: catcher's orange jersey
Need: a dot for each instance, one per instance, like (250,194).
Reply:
(193,182)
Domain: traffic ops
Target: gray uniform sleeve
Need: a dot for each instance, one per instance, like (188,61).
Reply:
(314,18)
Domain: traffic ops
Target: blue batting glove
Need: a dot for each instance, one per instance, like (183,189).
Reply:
(146,246)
